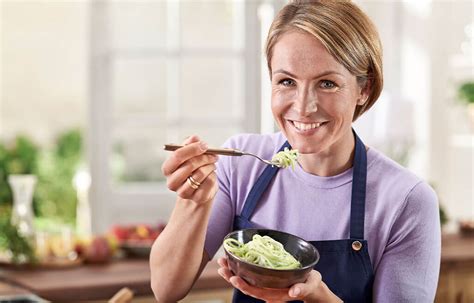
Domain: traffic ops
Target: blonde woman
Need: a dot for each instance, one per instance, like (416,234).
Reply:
(375,224)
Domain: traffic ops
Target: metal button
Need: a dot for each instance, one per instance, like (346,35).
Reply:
(356,245)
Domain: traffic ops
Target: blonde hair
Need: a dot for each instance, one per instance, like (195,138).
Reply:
(346,32)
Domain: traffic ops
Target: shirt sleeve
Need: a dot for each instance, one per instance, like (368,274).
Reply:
(223,211)
(409,268)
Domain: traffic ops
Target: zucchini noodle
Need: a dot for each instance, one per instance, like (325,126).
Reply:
(263,251)
(286,158)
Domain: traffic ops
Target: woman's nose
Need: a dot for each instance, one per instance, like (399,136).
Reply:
(306,102)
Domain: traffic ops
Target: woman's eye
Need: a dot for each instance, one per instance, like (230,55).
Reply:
(327,84)
(286,82)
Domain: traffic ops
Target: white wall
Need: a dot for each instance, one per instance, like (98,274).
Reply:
(419,104)
(452,162)
(43,69)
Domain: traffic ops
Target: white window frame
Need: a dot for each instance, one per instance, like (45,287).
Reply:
(149,202)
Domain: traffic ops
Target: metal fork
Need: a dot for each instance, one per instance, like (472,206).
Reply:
(225,152)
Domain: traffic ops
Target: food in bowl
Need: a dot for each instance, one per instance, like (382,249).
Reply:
(261,276)
(263,251)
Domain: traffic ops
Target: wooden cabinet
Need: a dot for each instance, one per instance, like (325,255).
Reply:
(456,281)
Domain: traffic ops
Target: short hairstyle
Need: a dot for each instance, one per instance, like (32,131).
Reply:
(346,32)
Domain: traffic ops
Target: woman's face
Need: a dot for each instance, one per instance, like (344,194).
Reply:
(313,96)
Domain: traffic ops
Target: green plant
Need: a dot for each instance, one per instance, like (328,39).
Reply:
(466,92)
(12,241)
(56,195)
(443,216)
(19,157)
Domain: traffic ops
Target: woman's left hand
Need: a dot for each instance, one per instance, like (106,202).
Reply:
(313,290)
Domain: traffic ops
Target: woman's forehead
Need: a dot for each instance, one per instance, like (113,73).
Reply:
(303,53)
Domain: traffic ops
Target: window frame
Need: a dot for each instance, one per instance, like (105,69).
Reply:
(150,202)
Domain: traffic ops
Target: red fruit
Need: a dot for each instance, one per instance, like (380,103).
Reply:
(120,232)
(154,234)
(98,251)
(79,248)
(134,236)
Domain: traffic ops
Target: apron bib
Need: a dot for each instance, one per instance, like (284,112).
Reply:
(344,264)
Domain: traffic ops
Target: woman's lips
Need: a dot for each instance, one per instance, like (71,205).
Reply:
(306,128)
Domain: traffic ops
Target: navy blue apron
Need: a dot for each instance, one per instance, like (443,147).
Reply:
(344,264)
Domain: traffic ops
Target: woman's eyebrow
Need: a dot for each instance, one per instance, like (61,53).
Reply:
(325,73)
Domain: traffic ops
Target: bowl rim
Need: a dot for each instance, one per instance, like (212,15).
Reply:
(311,265)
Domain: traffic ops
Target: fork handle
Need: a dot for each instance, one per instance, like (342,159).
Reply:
(213,151)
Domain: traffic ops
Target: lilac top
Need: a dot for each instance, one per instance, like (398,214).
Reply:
(402,223)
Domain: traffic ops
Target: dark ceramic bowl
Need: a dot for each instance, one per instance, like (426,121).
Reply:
(260,276)
(136,249)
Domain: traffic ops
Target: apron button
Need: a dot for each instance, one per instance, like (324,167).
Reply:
(356,245)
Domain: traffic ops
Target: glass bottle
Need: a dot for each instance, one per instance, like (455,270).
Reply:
(22,213)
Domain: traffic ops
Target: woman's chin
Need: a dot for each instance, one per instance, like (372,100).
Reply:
(305,147)
(308,151)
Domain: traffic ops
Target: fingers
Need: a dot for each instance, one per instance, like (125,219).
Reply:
(266,294)
(206,191)
(222,262)
(224,270)
(303,290)
(198,167)
(191,149)
(191,139)
(297,291)
(191,161)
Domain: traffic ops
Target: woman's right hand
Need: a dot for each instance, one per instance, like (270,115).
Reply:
(190,161)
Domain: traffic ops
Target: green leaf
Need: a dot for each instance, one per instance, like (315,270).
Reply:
(466,92)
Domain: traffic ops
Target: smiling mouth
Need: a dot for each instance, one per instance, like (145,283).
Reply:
(306,126)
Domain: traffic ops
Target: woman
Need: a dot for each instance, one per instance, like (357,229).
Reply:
(375,224)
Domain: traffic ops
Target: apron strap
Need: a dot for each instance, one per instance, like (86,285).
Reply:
(359,183)
(260,186)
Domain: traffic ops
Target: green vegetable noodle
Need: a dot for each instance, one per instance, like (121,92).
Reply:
(286,158)
(263,251)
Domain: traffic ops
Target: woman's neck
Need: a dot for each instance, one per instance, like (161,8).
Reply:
(332,161)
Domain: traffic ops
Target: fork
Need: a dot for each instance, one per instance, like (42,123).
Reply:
(225,152)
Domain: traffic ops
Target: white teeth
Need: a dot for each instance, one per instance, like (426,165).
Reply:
(306,126)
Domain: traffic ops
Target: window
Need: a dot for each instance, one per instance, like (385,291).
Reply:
(160,71)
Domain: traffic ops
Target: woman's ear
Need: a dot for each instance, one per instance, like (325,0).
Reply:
(364,93)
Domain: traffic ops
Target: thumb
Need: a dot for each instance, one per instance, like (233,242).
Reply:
(303,290)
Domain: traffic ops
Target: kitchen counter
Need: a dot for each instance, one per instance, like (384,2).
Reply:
(10,290)
(99,282)
(94,282)
(457,248)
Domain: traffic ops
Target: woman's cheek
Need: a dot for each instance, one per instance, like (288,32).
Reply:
(282,98)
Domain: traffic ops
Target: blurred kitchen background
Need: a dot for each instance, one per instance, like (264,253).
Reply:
(91,90)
